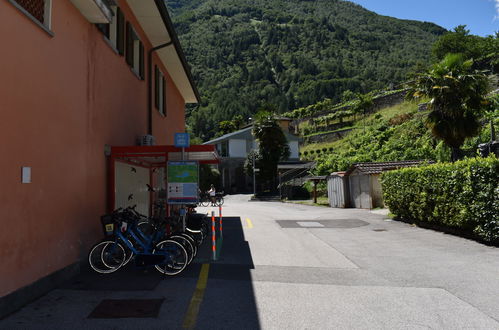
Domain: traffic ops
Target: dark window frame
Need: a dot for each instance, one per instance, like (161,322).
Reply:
(159,91)
(120,32)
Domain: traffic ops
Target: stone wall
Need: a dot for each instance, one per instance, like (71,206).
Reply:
(326,137)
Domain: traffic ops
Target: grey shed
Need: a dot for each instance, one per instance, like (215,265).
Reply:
(337,190)
(364,183)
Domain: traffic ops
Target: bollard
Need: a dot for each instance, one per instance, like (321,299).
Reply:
(213,236)
(220,218)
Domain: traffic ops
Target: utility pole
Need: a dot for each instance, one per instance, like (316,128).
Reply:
(254,174)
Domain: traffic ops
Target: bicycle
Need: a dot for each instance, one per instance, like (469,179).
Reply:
(219,199)
(168,256)
(204,200)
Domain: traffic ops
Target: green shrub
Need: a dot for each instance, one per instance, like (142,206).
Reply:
(462,195)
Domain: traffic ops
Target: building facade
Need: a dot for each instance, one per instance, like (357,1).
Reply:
(233,149)
(76,77)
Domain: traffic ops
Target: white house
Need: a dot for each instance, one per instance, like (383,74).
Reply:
(233,149)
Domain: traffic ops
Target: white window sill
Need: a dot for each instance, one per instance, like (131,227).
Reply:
(136,73)
(110,44)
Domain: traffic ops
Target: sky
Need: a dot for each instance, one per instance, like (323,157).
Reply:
(480,16)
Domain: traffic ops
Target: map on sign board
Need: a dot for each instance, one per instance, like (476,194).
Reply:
(182,182)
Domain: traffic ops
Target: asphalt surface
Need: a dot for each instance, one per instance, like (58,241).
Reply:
(289,266)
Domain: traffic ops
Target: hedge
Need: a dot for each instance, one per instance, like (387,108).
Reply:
(463,195)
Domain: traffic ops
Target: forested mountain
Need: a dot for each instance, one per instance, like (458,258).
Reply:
(284,54)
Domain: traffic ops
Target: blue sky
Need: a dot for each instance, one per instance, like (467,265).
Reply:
(480,16)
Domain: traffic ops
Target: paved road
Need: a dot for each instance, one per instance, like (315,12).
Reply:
(289,266)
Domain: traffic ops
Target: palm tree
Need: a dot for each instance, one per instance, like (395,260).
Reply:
(457,98)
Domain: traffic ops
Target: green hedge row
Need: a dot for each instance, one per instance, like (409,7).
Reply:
(463,195)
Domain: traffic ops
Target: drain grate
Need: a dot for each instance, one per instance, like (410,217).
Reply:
(336,223)
(379,229)
(125,308)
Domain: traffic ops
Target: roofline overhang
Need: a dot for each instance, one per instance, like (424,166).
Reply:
(163,11)
(155,21)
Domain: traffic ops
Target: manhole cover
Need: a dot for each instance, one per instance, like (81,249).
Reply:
(336,223)
(379,229)
(124,308)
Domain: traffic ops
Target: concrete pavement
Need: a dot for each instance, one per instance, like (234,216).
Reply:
(298,267)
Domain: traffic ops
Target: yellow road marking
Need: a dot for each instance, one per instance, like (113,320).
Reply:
(193,310)
(249,223)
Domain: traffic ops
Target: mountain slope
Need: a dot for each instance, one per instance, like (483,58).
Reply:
(283,54)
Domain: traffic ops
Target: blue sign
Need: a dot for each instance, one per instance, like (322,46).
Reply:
(182,140)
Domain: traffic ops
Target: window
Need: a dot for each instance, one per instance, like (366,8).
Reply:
(120,32)
(38,10)
(223,149)
(114,31)
(134,51)
(159,91)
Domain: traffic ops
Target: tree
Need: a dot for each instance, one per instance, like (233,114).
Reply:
(457,99)
(226,127)
(362,105)
(272,146)
(238,121)
(483,50)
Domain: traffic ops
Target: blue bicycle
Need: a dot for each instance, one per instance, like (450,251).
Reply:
(168,256)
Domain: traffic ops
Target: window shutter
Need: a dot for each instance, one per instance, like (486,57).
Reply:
(164,96)
(141,60)
(156,87)
(120,32)
(129,44)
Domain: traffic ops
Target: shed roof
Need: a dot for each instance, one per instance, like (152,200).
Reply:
(376,168)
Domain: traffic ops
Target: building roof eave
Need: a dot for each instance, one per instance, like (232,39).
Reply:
(156,23)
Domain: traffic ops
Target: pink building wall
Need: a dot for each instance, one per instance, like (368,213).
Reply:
(62,99)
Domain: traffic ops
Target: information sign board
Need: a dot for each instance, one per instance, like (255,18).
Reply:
(182,182)
(181,140)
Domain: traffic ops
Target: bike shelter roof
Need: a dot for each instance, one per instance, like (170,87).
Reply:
(158,156)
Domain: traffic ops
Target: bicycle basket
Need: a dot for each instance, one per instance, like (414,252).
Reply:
(107,224)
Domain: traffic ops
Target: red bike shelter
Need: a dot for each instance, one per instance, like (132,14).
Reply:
(132,168)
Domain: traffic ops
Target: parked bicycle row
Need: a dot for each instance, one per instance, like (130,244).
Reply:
(131,235)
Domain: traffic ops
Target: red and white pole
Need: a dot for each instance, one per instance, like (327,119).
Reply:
(213,236)
(220,219)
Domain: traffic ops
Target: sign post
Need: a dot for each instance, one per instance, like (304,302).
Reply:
(182,140)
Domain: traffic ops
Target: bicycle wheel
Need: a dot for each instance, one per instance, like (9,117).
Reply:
(175,257)
(192,240)
(106,257)
(219,201)
(205,201)
(146,227)
(196,235)
(128,253)
(187,244)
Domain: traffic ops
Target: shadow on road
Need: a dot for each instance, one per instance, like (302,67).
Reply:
(228,300)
